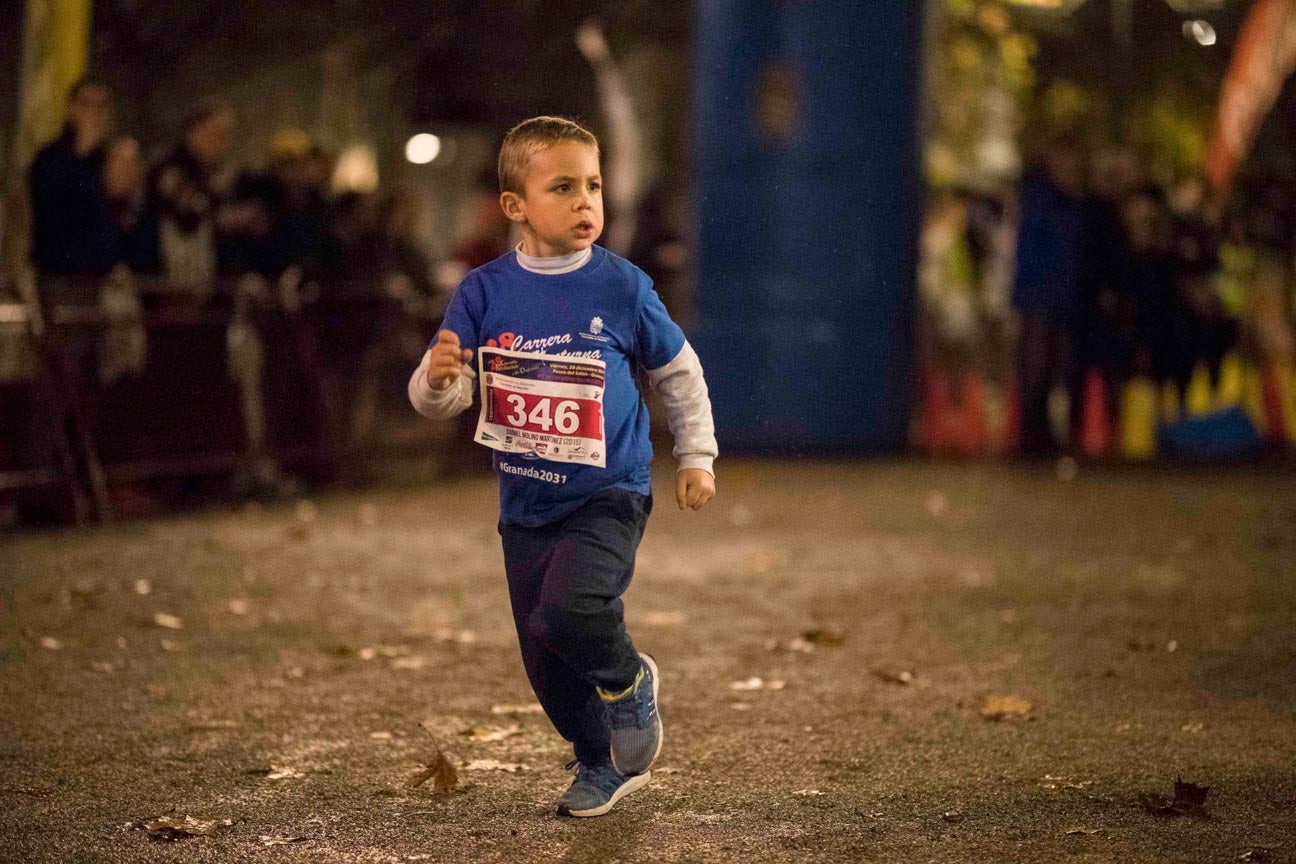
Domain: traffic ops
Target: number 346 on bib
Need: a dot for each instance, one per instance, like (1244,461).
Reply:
(543,405)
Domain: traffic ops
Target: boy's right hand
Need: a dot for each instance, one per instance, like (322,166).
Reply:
(447,360)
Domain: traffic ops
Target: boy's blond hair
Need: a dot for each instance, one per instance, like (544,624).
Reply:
(530,137)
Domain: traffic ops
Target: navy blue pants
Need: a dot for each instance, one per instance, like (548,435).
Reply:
(565,583)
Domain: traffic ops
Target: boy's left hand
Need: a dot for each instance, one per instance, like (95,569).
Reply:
(693,488)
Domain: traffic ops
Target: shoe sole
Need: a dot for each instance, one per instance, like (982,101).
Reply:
(661,727)
(632,784)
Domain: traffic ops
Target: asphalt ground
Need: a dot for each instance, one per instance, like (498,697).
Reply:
(893,662)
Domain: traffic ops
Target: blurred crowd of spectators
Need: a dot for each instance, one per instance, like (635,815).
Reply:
(191,223)
(1088,272)
(117,243)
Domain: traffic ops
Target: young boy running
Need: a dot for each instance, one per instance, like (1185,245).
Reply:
(558,327)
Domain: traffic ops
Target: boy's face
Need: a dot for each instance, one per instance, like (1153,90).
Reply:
(561,207)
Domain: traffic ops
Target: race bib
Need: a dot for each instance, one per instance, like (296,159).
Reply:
(543,404)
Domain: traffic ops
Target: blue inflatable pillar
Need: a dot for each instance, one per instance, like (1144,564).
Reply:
(807,153)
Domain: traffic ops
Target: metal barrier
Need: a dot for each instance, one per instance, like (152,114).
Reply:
(231,388)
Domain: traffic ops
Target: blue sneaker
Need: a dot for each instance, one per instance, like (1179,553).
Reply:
(634,723)
(596,789)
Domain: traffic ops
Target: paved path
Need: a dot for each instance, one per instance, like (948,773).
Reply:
(271,666)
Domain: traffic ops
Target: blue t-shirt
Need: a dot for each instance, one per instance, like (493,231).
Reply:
(606,310)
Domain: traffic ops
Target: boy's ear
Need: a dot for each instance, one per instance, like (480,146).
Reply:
(512,204)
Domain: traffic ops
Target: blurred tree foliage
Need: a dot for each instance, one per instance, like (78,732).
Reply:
(981,78)
(1007,79)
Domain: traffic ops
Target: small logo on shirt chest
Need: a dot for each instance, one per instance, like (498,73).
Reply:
(595,331)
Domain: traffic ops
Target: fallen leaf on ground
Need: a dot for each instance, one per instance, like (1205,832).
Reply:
(799,645)
(375,651)
(486,734)
(901,678)
(494,765)
(1189,800)
(1190,795)
(51,644)
(756,683)
(829,634)
(461,637)
(170,828)
(1048,781)
(85,591)
(532,708)
(283,772)
(1005,708)
(952,816)
(443,775)
(170,622)
(280,840)
(1082,830)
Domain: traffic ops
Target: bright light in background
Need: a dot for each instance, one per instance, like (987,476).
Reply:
(1200,32)
(422,148)
(356,170)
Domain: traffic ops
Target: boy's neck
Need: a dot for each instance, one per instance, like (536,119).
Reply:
(554,266)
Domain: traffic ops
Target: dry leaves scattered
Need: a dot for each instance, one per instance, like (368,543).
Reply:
(755,683)
(1189,800)
(283,772)
(998,708)
(443,775)
(486,734)
(494,765)
(171,828)
(280,839)
(167,621)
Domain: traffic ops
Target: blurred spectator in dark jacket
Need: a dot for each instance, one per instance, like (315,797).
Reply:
(1101,337)
(286,211)
(124,190)
(1045,286)
(185,196)
(1149,278)
(1204,329)
(73,232)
